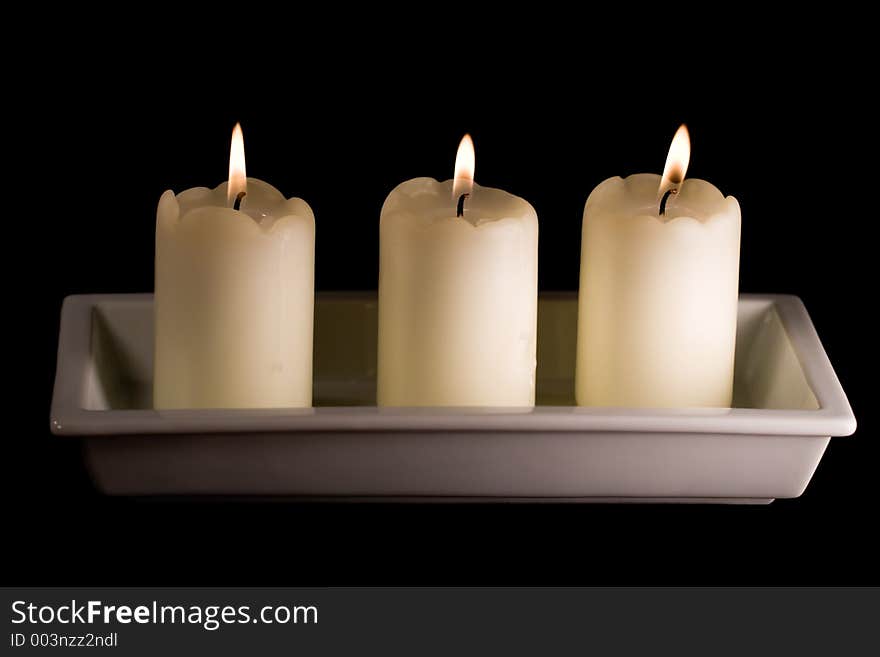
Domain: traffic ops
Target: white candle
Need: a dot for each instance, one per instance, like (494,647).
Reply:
(457,294)
(234,296)
(658,293)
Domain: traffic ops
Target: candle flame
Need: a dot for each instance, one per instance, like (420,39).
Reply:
(237,174)
(676,161)
(463,180)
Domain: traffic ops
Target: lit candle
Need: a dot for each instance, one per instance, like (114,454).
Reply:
(234,295)
(658,290)
(458,284)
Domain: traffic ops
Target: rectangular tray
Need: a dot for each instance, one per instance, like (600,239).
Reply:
(788,403)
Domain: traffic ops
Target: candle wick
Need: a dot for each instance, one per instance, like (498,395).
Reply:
(459,212)
(670,192)
(236,204)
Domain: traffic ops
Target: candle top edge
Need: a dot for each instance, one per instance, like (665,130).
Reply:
(637,195)
(434,201)
(264,205)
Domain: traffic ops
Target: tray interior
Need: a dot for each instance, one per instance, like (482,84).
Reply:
(768,374)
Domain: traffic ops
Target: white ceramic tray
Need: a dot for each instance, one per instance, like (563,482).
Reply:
(788,403)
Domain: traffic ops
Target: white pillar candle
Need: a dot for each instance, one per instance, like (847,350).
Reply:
(658,293)
(234,296)
(457,294)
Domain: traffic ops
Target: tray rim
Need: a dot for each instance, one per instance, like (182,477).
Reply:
(834,417)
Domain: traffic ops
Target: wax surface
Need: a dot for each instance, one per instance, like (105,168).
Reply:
(234,300)
(658,296)
(457,298)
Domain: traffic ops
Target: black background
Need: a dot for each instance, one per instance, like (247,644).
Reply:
(107,125)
